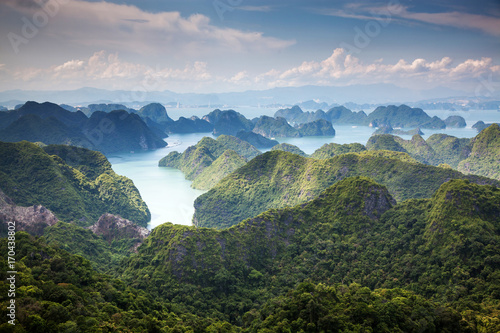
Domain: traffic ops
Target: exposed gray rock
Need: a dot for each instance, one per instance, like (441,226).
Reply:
(32,219)
(112,227)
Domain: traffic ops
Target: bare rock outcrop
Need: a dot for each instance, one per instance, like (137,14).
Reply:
(32,219)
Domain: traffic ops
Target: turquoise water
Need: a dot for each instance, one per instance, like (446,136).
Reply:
(169,195)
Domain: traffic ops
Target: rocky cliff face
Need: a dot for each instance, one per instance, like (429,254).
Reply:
(112,227)
(32,219)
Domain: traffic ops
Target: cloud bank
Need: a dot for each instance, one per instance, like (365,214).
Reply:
(107,70)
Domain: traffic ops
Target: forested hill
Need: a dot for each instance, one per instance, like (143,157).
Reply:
(479,155)
(278,179)
(78,185)
(210,160)
(444,248)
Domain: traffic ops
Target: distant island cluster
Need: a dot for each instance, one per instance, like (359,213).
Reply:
(111,128)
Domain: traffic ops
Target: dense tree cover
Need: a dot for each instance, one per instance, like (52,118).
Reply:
(351,260)
(437,149)
(289,148)
(225,164)
(105,256)
(384,142)
(76,184)
(278,179)
(479,155)
(448,149)
(256,140)
(329,150)
(196,159)
(484,158)
(444,248)
(321,308)
(60,292)
(107,132)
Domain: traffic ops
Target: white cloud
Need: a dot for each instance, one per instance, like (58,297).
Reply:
(238,77)
(342,68)
(104,69)
(108,70)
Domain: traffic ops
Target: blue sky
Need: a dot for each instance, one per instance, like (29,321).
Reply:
(236,45)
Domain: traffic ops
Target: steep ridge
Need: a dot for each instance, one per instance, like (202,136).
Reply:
(78,186)
(289,148)
(329,150)
(195,160)
(225,164)
(484,158)
(279,179)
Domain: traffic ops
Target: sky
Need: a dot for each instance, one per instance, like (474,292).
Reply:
(236,45)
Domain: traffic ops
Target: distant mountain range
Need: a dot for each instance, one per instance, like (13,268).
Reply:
(311,96)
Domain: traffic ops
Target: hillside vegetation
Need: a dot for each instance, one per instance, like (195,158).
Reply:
(278,179)
(76,184)
(263,272)
(226,154)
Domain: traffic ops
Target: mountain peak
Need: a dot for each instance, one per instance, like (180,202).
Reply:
(355,196)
